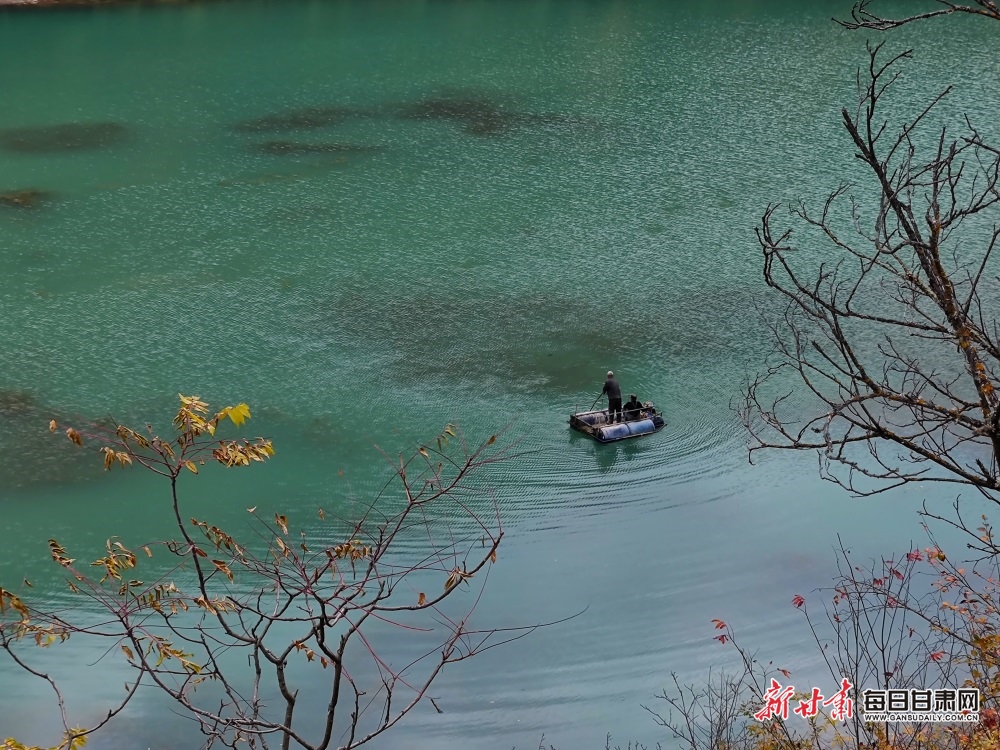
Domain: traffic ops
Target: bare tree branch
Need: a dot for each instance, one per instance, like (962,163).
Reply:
(896,343)
(863,18)
(298,611)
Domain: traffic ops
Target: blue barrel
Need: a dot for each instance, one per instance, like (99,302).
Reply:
(642,427)
(613,431)
(626,429)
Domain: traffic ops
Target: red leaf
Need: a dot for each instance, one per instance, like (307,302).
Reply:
(914,556)
(988,717)
(798,601)
(785,672)
(936,656)
(719,624)
(896,573)
(721,638)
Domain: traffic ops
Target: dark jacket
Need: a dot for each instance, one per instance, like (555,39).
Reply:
(613,390)
(632,409)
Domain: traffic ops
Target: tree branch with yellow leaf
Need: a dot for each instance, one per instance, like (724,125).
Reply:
(236,632)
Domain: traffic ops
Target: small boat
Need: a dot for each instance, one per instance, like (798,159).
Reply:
(595,424)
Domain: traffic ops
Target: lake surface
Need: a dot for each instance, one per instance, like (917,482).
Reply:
(590,206)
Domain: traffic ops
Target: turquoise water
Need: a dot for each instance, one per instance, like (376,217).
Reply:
(591,208)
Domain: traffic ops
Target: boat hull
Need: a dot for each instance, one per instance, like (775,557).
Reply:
(595,424)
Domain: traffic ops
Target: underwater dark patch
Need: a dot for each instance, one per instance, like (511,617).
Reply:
(546,343)
(27,198)
(42,458)
(14,401)
(65,137)
(306,118)
(532,343)
(558,120)
(479,115)
(483,116)
(292,148)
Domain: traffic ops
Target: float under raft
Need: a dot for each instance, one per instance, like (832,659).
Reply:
(595,424)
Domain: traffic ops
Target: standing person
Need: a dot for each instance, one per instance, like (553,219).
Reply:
(614,394)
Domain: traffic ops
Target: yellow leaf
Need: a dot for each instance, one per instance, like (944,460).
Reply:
(422,599)
(423,452)
(52,425)
(128,652)
(77,738)
(239,414)
(456,577)
(282,522)
(74,436)
(59,554)
(190,665)
(493,556)
(191,467)
(221,565)
(493,439)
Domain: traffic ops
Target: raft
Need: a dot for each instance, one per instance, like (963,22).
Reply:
(595,424)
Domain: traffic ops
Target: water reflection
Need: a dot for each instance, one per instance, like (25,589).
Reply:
(615,455)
